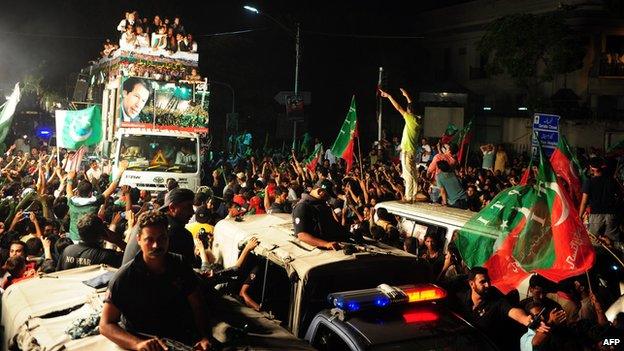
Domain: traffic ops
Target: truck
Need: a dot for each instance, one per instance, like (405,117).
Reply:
(152,117)
(367,296)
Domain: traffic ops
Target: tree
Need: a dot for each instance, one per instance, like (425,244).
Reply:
(532,49)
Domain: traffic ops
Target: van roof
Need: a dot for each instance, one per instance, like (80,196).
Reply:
(277,243)
(434,213)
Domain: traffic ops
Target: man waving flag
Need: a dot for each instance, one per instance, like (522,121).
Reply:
(528,229)
(343,146)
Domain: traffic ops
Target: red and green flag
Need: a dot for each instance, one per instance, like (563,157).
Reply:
(463,139)
(568,168)
(449,133)
(528,229)
(312,160)
(343,146)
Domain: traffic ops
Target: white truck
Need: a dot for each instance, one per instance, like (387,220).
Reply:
(151,116)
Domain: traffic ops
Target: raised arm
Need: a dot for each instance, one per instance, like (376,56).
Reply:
(392,101)
(113,185)
(407,97)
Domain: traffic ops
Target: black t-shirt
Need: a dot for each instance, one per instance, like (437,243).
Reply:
(81,254)
(315,217)
(603,194)
(180,242)
(156,304)
(491,317)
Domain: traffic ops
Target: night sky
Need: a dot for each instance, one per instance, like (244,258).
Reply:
(62,36)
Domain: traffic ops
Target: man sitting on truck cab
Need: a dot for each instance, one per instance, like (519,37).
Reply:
(314,220)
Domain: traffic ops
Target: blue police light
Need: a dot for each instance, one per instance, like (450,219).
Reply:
(385,296)
(353,306)
(44,132)
(382,301)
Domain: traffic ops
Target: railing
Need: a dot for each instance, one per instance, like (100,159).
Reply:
(611,65)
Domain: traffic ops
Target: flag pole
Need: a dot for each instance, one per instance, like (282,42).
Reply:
(466,155)
(360,156)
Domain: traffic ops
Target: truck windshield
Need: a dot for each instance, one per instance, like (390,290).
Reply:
(157,153)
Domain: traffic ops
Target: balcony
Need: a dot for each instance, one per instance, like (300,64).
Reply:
(611,66)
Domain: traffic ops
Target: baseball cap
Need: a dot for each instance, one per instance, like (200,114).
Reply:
(202,215)
(176,196)
(327,186)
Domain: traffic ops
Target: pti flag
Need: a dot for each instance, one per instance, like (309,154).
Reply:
(528,229)
(79,128)
(343,146)
(449,133)
(313,159)
(464,137)
(6,112)
(567,167)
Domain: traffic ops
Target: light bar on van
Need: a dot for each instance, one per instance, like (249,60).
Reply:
(385,296)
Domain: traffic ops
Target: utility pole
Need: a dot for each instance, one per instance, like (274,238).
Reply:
(296,79)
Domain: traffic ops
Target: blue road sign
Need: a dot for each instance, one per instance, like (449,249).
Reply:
(547,129)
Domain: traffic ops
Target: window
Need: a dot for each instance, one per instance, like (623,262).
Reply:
(159,153)
(327,340)
(461,51)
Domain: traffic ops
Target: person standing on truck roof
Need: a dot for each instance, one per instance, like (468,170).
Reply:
(155,294)
(409,144)
(314,220)
(135,94)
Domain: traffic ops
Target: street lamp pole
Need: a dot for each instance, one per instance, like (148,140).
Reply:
(297,42)
(225,129)
(297,52)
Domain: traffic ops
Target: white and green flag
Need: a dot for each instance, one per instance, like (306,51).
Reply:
(79,128)
(6,112)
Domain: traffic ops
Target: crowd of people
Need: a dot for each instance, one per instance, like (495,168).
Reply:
(158,36)
(57,217)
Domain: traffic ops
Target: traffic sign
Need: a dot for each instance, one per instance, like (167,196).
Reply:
(281,97)
(547,129)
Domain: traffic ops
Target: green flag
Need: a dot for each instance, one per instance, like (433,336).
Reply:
(6,113)
(343,146)
(79,128)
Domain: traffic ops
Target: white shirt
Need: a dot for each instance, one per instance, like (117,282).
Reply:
(142,40)
(124,44)
(427,157)
(94,173)
(184,159)
(330,157)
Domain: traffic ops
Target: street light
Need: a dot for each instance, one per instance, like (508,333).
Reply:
(251,8)
(297,45)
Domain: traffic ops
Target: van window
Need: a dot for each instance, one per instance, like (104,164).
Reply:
(269,286)
(327,340)
(419,229)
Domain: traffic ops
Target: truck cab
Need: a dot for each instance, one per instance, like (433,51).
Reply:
(367,296)
(155,155)
(297,277)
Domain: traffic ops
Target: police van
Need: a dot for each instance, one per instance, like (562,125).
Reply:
(366,296)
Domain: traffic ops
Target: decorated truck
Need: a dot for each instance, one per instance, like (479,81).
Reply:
(154,115)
